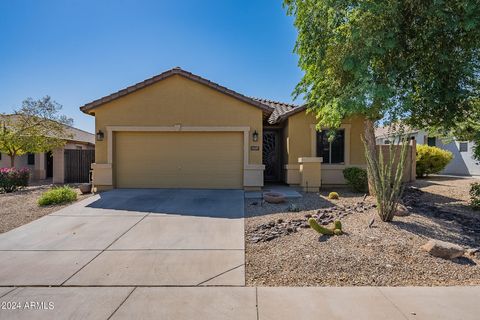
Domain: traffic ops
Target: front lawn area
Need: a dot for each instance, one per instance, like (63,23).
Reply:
(386,254)
(21,207)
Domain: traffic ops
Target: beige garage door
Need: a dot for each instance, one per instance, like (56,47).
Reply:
(179,160)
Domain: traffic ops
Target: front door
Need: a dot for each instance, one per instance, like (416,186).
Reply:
(271,154)
(49,164)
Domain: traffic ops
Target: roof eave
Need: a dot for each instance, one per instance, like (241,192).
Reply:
(87,108)
(288,114)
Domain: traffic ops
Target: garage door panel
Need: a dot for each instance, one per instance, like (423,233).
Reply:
(179,159)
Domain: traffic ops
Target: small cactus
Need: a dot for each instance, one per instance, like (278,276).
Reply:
(337,225)
(338,232)
(333,196)
(315,226)
(337,229)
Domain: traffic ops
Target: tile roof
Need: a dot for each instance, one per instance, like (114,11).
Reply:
(388,131)
(74,134)
(78,135)
(273,111)
(175,71)
(279,109)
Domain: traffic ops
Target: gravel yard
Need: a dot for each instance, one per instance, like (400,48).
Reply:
(19,208)
(387,254)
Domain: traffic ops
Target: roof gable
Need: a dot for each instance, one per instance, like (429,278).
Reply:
(87,108)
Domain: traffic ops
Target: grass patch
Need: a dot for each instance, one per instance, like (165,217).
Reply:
(58,195)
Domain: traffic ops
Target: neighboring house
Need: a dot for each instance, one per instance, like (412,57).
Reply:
(463,163)
(178,130)
(67,164)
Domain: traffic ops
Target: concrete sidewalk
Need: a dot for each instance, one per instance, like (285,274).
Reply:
(182,303)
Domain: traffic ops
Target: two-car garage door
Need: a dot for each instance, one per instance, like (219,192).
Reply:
(179,160)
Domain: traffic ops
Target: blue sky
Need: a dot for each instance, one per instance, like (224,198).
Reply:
(78,51)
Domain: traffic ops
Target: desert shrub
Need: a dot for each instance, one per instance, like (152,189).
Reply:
(333,195)
(475,195)
(431,160)
(57,195)
(12,179)
(357,178)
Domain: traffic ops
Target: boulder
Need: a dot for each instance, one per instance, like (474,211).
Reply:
(274,197)
(473,253)
(442,249)
(402,211)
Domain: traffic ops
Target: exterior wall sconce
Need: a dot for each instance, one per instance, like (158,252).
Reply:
(255,136)
(100,135)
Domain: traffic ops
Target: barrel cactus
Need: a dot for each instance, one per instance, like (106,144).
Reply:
(333,196)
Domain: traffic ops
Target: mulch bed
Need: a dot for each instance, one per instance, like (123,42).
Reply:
(386,254)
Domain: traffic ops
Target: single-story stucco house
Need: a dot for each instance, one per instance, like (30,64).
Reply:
(179,130)
(68,164)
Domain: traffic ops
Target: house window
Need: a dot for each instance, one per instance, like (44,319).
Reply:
(463,146)
(386,141)
(432,141)
(331,152)
(31,159)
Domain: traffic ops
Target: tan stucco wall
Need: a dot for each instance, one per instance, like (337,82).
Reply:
(300,142)
(178,101)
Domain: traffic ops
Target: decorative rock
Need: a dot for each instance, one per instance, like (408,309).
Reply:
(402,211)
(442,249)
(320,215)
(274,197)
(473,253)
(280,227)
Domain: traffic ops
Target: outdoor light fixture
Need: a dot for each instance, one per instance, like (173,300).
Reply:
(100,135)
(255,136)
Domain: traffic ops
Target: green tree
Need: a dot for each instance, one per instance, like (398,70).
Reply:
(36,126)
(469,130)
(411,60)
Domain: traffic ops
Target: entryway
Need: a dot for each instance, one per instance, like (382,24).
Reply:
(272,158)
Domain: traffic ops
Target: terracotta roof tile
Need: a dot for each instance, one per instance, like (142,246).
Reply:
(279,109)
(175,71)
(273,111)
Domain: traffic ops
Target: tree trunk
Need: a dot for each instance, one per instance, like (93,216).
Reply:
(12,160)
(371,148)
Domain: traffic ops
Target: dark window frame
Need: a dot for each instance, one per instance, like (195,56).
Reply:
(31,159)
(331,152)
(430,143)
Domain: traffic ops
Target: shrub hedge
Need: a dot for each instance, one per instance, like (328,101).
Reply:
(57,195)
(431,160)
(13,179)
(356,178)
(475,196)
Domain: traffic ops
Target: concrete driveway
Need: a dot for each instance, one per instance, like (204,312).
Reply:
(132,238)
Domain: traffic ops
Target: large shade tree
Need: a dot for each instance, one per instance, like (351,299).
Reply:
(410,60)
(37,126)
